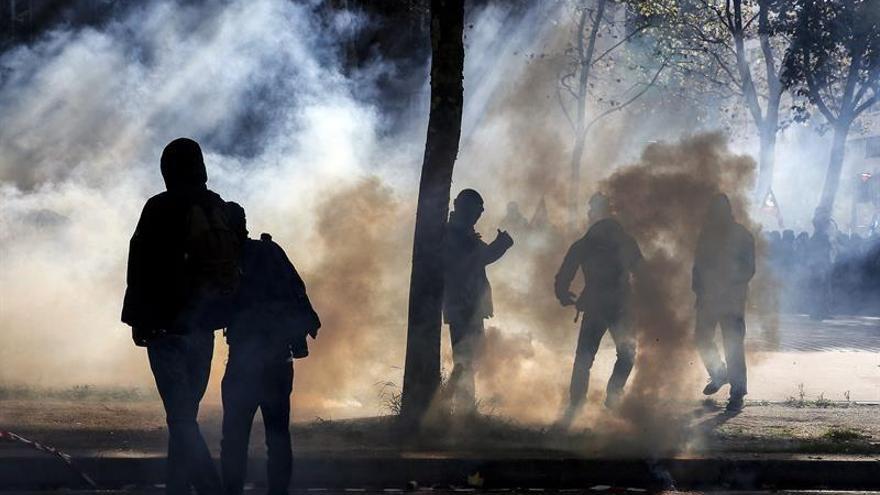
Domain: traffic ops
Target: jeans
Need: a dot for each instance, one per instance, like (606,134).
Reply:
(256,377)
(466,341)
(593,327)
(181,365)
(733,333)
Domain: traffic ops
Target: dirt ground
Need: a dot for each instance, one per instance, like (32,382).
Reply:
(136,428)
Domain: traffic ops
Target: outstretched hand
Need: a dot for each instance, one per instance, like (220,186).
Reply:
(504,239)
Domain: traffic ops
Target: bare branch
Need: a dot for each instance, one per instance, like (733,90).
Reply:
(624,40)
(867,104)
(629,101)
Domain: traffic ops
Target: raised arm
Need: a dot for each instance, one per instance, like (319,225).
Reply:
(490,253)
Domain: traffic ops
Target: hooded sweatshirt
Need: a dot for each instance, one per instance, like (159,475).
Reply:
(724,262)
(467,294)
(606,255)
(158,286)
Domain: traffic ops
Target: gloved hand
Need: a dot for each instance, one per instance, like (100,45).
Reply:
(504,239)
(566,298)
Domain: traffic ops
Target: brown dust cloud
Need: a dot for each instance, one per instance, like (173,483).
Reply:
(338,193)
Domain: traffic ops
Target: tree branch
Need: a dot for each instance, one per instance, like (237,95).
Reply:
(624,40)
(629,101)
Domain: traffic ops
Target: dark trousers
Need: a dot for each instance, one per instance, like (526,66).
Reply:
(733,333)
(181,365)
(256,377)
(593,327)
(466,341)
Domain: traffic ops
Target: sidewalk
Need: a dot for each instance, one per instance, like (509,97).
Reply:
(792,446)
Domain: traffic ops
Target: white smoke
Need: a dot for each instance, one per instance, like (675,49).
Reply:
(85,115)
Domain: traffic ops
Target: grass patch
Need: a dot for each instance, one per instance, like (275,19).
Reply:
(837,434)
(76,393)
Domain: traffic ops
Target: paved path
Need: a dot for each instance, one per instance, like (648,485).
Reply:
(800,333)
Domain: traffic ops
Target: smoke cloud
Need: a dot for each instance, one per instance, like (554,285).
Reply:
(661,201)
(307,152)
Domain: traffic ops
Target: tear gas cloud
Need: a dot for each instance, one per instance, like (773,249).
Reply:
(306,150)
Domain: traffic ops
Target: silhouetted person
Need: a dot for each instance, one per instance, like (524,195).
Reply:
(467,298)
(788,269)
(819,263)
(723,266)
(514,221)
(182,259)
(272,317)
(606,256)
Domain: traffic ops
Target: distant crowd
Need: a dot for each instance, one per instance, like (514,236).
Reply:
(824,275)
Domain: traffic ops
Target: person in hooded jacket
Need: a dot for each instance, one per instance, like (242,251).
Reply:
(467,296)
(161,304)
(606,256)
(272,318)
(723,266)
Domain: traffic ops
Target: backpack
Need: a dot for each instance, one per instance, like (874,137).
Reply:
(212,249)
(273,300)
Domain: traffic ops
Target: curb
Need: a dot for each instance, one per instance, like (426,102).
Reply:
(562,473)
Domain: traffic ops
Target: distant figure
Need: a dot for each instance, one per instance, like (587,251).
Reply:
(607,256)
(819,256)
(723,266)
(541,233)
(182,264)
(788,269)
(272,318)
(467,298)
(514,221)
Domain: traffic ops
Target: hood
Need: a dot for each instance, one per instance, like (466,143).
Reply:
(720,212)
(183,166)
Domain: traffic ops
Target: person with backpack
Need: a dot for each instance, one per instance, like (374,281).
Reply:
(607,256)
(182,274)
(268,330)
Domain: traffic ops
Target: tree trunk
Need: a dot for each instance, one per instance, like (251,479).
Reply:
(767,155)
(835,167)
(585,61)
(422,369)
(574,199)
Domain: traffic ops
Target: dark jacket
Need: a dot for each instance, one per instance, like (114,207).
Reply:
(467,293)
(606,255)
(159,285)
(723,265)
(272,300)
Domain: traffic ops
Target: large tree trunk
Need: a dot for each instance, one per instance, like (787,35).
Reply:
(835,167)
(422,370)
(767,156)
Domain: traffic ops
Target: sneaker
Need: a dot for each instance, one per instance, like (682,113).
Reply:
(735,404)
(713,386)
(612,401)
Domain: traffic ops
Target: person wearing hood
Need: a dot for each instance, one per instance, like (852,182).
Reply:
(723,266)
(467,295)
(181,247)
(268,329)
(606,256)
